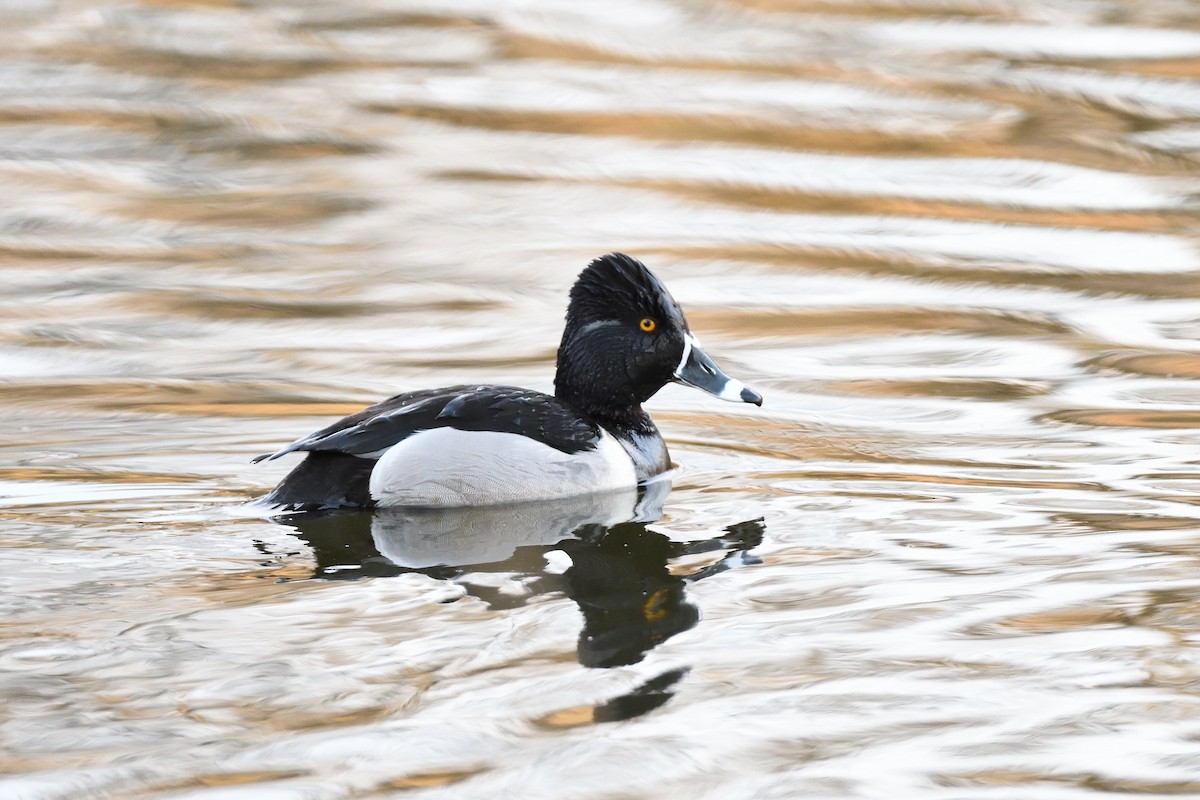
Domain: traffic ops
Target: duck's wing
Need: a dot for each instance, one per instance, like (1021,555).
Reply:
(505,409)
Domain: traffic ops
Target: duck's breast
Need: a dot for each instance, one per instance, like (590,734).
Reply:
(446,467)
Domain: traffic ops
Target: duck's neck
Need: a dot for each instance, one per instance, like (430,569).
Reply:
(601,397)
(600,386)
(618,418)
(632,427)
(618,411)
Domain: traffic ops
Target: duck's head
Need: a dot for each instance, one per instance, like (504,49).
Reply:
(626,338)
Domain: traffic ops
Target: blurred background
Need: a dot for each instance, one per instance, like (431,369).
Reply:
(952,243)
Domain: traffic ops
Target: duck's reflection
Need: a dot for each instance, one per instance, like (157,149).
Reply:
(616,568)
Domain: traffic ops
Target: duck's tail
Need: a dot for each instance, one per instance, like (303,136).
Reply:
(325,480)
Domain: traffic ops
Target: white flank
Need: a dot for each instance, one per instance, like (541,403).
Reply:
(446,468)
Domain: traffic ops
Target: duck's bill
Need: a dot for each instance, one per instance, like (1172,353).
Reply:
(697,369)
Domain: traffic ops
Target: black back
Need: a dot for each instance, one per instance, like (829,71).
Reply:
(504,409)
(337,471)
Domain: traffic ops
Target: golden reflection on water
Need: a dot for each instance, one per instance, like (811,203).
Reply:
(953,244)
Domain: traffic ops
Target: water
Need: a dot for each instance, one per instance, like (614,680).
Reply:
(951,242)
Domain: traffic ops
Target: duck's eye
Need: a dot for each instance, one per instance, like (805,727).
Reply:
(648,325)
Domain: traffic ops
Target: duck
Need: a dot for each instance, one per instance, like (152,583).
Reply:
(625,338)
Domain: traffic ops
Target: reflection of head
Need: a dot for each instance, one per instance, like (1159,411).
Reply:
(645,698)
(630,601)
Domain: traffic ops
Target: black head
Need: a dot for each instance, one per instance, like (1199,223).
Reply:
(625,339)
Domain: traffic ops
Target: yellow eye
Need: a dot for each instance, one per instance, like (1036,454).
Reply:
(647,324)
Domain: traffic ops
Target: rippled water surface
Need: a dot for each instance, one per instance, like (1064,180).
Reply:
(955,555)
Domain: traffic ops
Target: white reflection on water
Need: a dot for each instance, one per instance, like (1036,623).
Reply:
(537,87)
(977,181)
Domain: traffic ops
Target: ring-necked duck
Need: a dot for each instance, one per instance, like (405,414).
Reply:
(625,339)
